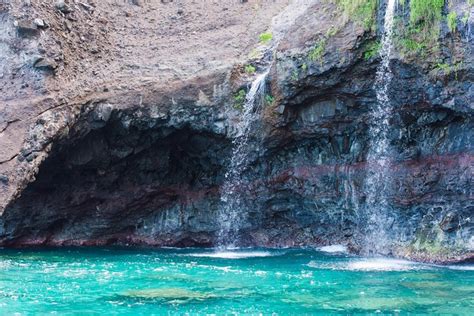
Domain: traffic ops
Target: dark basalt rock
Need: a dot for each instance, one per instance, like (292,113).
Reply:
(450,222)
(4,179)
(46,64)
(27,28)
(64,7)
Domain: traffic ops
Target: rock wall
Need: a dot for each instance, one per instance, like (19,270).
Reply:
(319,142)
(136,153)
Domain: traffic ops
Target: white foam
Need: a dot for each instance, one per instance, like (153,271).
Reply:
(5,264)
(382,264)
(333,248)
(462,267)
(370,264)
(233,254)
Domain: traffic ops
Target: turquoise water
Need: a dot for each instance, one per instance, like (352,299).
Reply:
(132,282)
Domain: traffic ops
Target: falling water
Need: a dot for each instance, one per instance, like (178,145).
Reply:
(378,156)
(232,213)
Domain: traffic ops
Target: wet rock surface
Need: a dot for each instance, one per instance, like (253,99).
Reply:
(141,160)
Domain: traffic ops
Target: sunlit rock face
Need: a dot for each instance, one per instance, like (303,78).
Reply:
(146,165)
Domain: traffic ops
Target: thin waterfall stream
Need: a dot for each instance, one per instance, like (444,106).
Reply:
(378,158)
(231,215)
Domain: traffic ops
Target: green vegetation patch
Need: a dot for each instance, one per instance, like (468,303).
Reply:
(265,37)
(239,99)
(425,18)
(269,99)
(250,69)
(421,35)
(452,21)
(413,46)
(465,18)
(360,11)
(372,49)
(317,52)
(446,69)
(427,12)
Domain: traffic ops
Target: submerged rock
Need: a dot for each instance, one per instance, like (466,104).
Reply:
(169,294)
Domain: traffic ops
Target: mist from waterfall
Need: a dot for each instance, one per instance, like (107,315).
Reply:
(232,213)
(378,159)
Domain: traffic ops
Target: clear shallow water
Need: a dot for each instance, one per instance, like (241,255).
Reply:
(120,281)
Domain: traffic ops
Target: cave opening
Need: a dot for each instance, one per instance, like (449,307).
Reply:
(123,183)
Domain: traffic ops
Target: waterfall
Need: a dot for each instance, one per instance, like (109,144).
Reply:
(232,213)
(378,159)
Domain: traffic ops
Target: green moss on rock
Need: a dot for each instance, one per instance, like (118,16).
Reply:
(239,99)
(420,36)
(360,11)
(371,49)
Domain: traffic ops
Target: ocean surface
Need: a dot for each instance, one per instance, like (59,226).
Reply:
(117,281)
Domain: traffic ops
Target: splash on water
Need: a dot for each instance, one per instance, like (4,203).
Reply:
(383,264)
(371,264)
(333,249)
(234,254)
(462,267)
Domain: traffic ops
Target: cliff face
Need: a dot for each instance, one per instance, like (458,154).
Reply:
(117,123)
(324,132)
